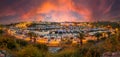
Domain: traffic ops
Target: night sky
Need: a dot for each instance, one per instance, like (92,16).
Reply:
(59,10)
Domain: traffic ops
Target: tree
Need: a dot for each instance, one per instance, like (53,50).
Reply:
(81,37)
(34,38)
(109,34)
(1,31)
(30,34)
(8,42)
(42,47)
(98,35)
(30,51)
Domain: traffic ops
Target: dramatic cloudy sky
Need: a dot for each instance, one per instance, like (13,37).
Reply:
(59,10)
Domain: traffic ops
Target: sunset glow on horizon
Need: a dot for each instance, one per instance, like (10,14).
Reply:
(59,10)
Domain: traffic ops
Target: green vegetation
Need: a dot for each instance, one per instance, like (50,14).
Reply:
(32,36)
(112,24)
(8,43)
(30,51)
(1,31)
(21,48)
(81,37)
(98,35)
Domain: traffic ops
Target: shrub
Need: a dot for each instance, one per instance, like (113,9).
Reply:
(68,52)
(8,43)
(22,42)
(1,31)
(41,46)
(30,51)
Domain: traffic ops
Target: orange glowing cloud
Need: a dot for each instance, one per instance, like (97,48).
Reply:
(59,10)
(61,6)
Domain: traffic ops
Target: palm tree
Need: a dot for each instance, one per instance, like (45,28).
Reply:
(98,35)
(34,38)
(30,34)
(109,34)
(81,37)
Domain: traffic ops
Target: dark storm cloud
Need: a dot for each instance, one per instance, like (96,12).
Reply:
(16,8)
(59,10)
